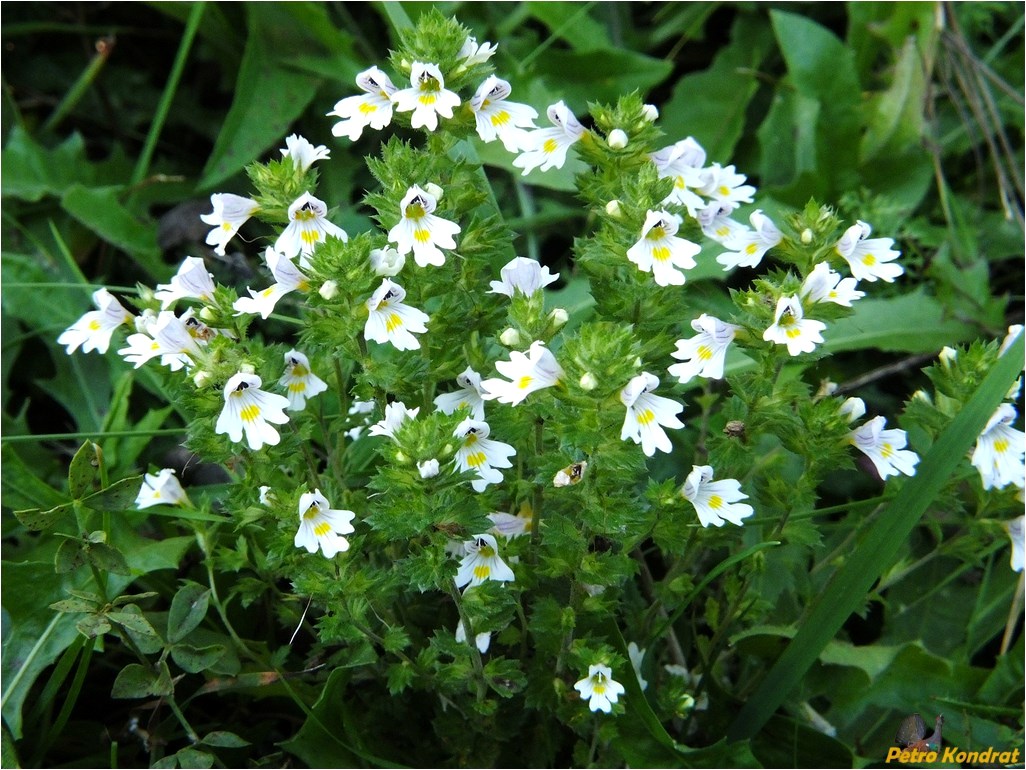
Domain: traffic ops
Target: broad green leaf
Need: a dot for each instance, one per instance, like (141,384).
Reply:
(100,210)
(224,739)
(73,605)
(108,558)
(136,681)
(132,619)
(895,117)
(875,553)
(787,742)
(604,75)
(119,496)
(32,172)
(21,487)
(71,555)
(121,601)
(196,659)
(84,471)
(571,22)
(194,758)
(188,609)
(93,625)
(38,520)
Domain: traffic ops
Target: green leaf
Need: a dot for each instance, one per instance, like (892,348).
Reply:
(100,210)
(73,605)
(786,742)
(119,496)
(71,555)
(895,117)
(196,659)
(269,95)
(32,172)
(604,75)
(131,618)
(93,625)
(84,471)
(21,487)
(190,757)
(571,22)
(38,520)
(875,553)
(224,739)
(135,681)
(108,558)
(188,609)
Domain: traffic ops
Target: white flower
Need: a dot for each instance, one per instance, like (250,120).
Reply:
(704,354)
(249,410)
(389,320)
(715,221)
(477,452)
(825,285)
(513,525)
(229,214)
(386,262)
(94,329)
(617,139)
(299,382)
(853,408)
(886,448)
(546,147)
(659,250)
(498,118)
(481,562)
(420,231)
(599,688)
(525,374)
(287,278)
(648,414)
(1013,334)
(374,108)
(192,281)
(570,475)
(724,184)
(396,414)
(790,327)
(266,495)
(161,488)
(427,97)
(650,113)
(1015,535)
(716,502)
(469,395)
(869,259)
(308,227)
(428,469)
(321,526)
(471,53)
(683,163)
(1000,450)
(637,657)
(482,641)
(302,153)
(169,337)
(523,275)
(747,247)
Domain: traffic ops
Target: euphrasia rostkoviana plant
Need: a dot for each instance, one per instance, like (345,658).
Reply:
(466,479)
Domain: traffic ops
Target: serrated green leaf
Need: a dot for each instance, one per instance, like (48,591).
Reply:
(84,471)
(70,556)
(119,496)
(188,608)
(38,520)
(108,558)
(196,659)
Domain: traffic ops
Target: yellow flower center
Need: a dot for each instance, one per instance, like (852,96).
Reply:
(869,260)
(525,382)
(500,118)
(297,387)
(704,352)
(421,235)
(482,571)
(751,248)
(94,325)
(1001,446)
(427,99)
(393,322)
(476,460)
(550,146)
(312,512)
(320,530)
(309,236)
(886,450)
(645,417)
(367,108)
(715,502)
(660,253)
(249,412)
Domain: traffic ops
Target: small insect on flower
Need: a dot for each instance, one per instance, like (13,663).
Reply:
(570,475)
(321,526)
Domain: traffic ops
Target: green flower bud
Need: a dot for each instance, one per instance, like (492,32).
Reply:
(588,381)
(510,338)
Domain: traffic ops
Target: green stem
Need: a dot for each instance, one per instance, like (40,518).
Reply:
(189,732)
(104,46)
(537,496)
(92,434)
(475,654)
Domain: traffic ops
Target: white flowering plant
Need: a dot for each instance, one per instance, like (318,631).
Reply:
(480,502)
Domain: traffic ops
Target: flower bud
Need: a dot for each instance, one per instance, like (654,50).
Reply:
(432,189)
(921,395)
(201,378)
(558,317)
(428,469)
(207,314)
(617,139)
(588,381)
(650,113)
(400,457)
(948,356)
(386,262)
(510,338)
(328,289)
(613,209)
(145,320)
(807,236)
(247,369)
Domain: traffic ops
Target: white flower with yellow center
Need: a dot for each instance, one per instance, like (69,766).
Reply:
(308,228)
(500,119)
(176,340)
(1000,451)
(192,281)
(303,154)
(420,231)
(524,374)
(396,414)
(229,214)
(748,247)
(704,354)
(299,382)
(524,275)
(427,97)
(716,502)
(547,147)
(825,285)
(1014,528)
(94,329)
(659,251)
(885,448)
(725,184)
(287,278)
(321,526)
(249,410)
(869,258)
(469,395)
(790,327)
(599,688)
(647,415)
(683,162)
(372,108)
(389,320)
(714,219)
(481,562)
(161,488)
(477,452)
